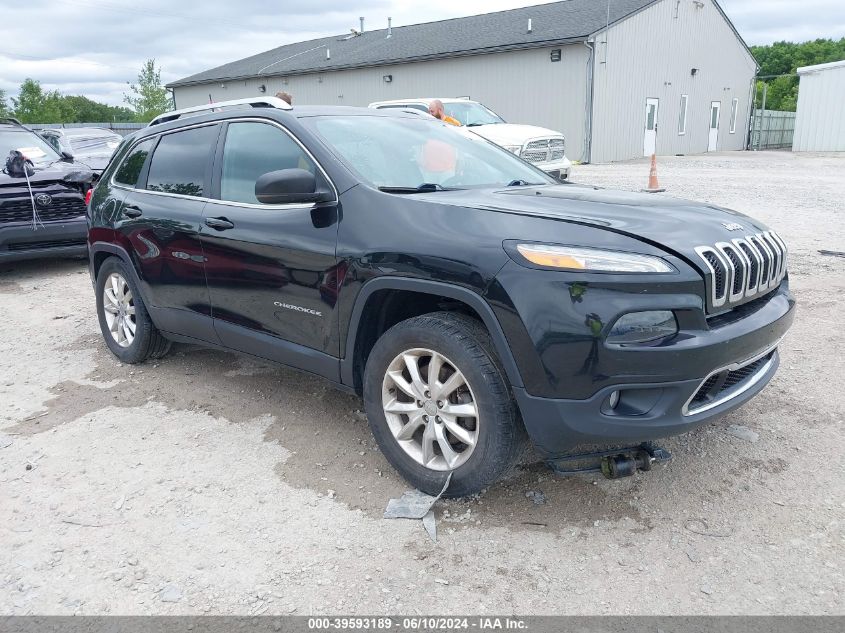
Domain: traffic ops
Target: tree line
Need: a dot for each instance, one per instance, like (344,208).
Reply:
(146,99)
(783,58)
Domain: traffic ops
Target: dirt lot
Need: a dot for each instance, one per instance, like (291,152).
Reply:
(207,483)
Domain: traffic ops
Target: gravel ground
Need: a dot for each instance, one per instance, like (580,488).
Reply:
(207,483)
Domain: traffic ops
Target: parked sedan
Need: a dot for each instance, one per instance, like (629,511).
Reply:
(92,146)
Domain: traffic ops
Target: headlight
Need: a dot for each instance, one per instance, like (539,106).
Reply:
(592,259)
(513,149)
(641,327)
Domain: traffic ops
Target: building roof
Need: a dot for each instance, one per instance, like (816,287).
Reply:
(812,69)
(554,23)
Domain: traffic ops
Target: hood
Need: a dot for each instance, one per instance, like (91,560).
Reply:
(74,174)
(512,133)
(96,161)
(672,224)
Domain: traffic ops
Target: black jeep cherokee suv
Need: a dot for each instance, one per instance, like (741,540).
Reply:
(464,294)
(42,210)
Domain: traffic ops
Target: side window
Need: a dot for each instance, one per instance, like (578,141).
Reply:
(253,149)
(129,170)
(180,160)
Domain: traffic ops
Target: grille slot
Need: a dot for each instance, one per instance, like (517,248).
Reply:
(739,268)
(719,274)
(765,273)
(754,266)
(743,267)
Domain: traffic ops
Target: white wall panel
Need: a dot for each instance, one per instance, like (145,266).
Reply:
(820,120)
(651,54)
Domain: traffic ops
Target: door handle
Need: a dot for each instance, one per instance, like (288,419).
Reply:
(131,211)
(219,224)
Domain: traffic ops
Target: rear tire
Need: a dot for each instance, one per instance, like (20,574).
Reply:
(463,420)
(124,321)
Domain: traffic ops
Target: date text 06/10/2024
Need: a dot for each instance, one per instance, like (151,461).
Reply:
(419,623)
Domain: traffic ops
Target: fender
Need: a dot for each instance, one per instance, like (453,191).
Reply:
(464,295)
(180,325)
(106,247)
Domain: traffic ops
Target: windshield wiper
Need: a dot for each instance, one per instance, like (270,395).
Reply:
(522,183)
(426,187)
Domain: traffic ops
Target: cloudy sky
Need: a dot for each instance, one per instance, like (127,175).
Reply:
(94,47)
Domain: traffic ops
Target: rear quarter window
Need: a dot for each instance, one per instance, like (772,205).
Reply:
(130,169)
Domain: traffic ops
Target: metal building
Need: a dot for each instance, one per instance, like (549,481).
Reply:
(820,116)
(620,78)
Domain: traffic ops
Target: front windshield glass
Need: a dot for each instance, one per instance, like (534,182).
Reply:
(470,113)
(406,153)
(27,143)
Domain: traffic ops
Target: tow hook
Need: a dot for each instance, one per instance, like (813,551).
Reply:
(626,464)
(613,464)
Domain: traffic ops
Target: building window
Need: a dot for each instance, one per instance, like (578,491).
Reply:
(682,118)
(734,113)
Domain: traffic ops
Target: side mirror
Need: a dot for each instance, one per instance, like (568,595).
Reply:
(287,186)
(66,155)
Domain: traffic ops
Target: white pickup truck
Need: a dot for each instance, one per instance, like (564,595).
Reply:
(539,146)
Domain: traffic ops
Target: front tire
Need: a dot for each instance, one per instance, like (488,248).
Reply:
(124,321)
(438,401)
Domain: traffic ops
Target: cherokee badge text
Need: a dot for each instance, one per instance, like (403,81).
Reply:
(288,306)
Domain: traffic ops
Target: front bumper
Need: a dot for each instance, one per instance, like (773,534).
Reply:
(557,426)
(66,238)
(559,169)
(710,368)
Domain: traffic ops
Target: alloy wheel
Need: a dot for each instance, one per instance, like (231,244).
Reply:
(119,310)
(430,409)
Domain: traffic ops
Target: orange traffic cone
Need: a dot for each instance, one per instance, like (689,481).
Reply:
(653,185)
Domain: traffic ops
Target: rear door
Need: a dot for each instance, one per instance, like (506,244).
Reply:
(271,269)
(160,219)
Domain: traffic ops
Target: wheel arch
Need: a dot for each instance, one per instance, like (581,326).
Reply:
(99,252)
(472,301)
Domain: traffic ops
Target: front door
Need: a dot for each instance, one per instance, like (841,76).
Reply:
(271,269)
(713,139)
(650,137)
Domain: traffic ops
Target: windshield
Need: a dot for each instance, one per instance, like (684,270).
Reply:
(470,113)
(406,153)
(27,143)
(92,143)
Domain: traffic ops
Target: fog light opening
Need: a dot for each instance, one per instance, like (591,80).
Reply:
(613,400)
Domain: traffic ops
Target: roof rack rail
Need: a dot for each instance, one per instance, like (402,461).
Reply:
(255,102)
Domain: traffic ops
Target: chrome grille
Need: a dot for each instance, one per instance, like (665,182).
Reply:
(543,150)
(743,267)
